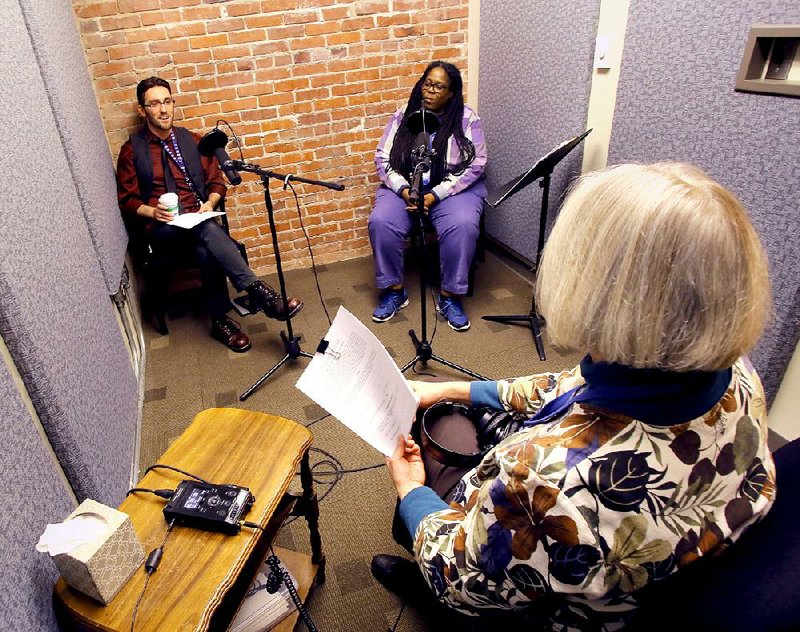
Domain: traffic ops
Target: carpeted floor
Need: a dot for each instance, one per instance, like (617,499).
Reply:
(187,371)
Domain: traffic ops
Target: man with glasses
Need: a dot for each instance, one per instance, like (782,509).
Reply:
(159,158)
(453,194)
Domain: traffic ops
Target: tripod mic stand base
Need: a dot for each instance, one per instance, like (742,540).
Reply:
(293,351)
(425,354)
(534,322)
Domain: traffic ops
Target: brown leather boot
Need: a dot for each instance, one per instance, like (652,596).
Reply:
(264,298)
(228,333)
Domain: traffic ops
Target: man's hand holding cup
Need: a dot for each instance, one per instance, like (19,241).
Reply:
(168,208)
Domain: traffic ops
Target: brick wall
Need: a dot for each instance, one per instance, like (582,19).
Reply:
(308,86)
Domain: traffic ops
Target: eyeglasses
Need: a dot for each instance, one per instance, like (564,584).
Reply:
(434,87)
(153,105)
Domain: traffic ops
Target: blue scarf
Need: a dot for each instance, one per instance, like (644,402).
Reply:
(660,398)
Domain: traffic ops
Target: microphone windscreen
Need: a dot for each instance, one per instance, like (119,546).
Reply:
(415,120)
(212,141)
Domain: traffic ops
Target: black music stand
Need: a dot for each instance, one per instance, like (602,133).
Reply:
(291,343)
(542,169)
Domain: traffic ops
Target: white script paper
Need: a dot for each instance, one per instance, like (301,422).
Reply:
(190,220)
(357,382)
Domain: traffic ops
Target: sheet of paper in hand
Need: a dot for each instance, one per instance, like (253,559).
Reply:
(356,381)
(190,220)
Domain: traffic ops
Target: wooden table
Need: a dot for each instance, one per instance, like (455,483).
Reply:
(203,575)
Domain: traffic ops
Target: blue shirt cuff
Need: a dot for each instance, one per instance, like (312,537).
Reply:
(485,394)
(418,503)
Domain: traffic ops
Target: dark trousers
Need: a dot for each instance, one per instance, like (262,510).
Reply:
(214,252)
(456,433)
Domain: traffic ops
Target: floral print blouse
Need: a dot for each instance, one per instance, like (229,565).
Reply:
(567,519)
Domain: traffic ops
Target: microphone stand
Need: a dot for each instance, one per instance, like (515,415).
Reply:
(291,343)
(422,157)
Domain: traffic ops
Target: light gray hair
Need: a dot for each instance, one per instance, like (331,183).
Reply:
(654,266)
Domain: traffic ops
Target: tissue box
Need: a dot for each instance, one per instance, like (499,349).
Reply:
(101,567)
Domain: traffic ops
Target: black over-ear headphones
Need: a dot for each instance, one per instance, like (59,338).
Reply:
(491,426)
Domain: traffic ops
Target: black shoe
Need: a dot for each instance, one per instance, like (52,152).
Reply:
(228,333)
(404,579)
(264,298)
(398,574)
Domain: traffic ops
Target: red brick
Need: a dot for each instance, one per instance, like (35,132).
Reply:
(230,52)
(297,17)
(88,26)
(225,25)
(242,8)
(274,99)
(285,32)
(120,22)
(170,46)
(104,40)
(242,37)
(196,111)
(234,105)
(136,6)
(176,4)
(97,9)
(111,68)
(302,43)
(136,36)
(322,28)
(343,38)
(96,55)
(152,62)
(206,12)
(128,51)
(366,7)
(222,94)
(192,57)
(263,21)
(160,17)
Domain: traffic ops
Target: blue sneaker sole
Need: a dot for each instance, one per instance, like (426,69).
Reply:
(378,319)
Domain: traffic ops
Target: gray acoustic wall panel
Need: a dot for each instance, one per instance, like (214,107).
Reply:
(535,77)
(676,101)
(59,54)
(55,313)
(33,496)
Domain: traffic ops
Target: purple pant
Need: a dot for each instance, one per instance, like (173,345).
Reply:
(457,223)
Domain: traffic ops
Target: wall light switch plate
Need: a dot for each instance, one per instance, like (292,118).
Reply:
(602,53)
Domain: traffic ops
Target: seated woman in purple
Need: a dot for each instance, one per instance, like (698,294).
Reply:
(453,194)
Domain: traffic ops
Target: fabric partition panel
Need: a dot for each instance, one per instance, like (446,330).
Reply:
(535,78)
(34,494)
(676,101)
(59,55)
(56,316)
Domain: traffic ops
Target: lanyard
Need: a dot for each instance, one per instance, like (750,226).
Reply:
(177,158)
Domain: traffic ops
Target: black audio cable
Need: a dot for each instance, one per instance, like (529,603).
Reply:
(286,183)
(150,567)
(276,576)
(161,493)
(158,466)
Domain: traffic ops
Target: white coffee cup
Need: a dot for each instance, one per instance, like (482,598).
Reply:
(170,200)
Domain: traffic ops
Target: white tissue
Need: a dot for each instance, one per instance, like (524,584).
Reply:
(67,536)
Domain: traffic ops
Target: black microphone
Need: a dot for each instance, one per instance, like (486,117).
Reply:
(213,144)
(422,123)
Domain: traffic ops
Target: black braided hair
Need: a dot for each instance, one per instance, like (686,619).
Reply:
(450,125)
